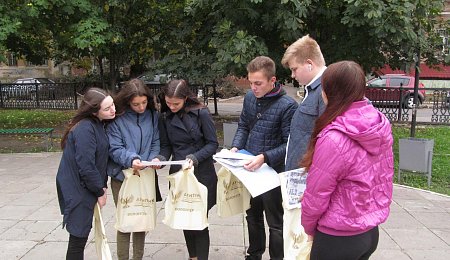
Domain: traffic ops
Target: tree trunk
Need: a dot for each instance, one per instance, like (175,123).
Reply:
(113,71)
(102,71)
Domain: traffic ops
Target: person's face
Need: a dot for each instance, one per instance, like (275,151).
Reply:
(107,109)
(174,103)
(260,84)
(302,72)
(138,104)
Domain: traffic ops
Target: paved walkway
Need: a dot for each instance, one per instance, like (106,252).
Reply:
(30,222)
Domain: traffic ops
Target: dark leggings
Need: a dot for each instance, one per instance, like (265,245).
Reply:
(344,247)
(75,250)
(197,242)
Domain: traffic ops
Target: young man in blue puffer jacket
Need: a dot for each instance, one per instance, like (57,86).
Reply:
(263,131)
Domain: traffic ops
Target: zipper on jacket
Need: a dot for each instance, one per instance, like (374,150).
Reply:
(140,129)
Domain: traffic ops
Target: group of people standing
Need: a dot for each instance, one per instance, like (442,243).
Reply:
(334,132)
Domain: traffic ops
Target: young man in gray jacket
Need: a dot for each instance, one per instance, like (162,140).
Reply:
(263,131)
(305,60)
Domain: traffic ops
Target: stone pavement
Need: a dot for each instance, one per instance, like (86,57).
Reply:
(30,222)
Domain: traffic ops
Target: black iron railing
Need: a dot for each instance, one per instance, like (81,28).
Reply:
(396,104)
(39,95)
(67,95)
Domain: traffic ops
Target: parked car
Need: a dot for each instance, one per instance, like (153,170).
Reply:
(384,90)
(151,80)
(154,79)
(26,88)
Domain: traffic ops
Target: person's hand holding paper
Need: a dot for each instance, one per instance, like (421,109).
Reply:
(255,163)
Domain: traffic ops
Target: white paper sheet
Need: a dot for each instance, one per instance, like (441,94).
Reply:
(227,154)
(148,163)
(293,185)
(256,182)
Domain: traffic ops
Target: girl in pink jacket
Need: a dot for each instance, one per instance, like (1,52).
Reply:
(350,168)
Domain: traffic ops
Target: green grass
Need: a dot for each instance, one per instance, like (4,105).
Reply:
(440,175)
(15,118)
(440,181)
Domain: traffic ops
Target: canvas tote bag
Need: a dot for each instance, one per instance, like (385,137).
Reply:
(232,196)
(187,202)
(101,242)
(136,204)
(296,244)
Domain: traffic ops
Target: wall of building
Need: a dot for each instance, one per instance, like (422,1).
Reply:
(22,70)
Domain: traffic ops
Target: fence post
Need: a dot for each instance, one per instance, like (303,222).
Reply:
(36,90)
(75,96)
(400,103)
(216,113)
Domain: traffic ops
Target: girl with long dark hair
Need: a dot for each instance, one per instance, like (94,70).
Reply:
(350,169)
(187,132)
(133,138)
(81,178)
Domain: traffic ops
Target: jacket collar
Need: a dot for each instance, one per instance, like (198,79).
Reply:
(275,92)
(182,120)
(316,81)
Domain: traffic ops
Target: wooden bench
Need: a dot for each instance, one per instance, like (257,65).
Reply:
(48,132)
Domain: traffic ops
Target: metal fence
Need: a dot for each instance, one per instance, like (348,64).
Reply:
(67,95)
(41,95)
(396,104)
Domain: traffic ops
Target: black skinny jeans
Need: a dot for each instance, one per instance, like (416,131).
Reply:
(75,249)
(357,247)
(197,242)
(270,204)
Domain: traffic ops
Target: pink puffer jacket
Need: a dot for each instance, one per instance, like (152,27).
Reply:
(349,186)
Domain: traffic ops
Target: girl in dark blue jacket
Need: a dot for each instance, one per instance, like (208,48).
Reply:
(81,178)
(187,131)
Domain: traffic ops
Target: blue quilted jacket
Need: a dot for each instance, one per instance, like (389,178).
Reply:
(270,132)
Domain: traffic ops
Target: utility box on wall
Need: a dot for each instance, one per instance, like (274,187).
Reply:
(416,154)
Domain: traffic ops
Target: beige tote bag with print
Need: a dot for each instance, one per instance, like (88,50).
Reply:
(232,196)
(296,246)
(136,204)
(101,242)
(187,202)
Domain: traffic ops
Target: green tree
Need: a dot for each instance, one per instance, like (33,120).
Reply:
(371,32)
(203,40)
(119,32)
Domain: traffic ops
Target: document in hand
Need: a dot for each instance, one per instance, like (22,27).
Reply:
(149,163)
(293,185)
(256,182)
(233,159)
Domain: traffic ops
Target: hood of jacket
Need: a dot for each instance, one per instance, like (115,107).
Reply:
(365,125)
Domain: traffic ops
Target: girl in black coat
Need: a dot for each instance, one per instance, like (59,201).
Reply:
(187,131)
(81,178)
